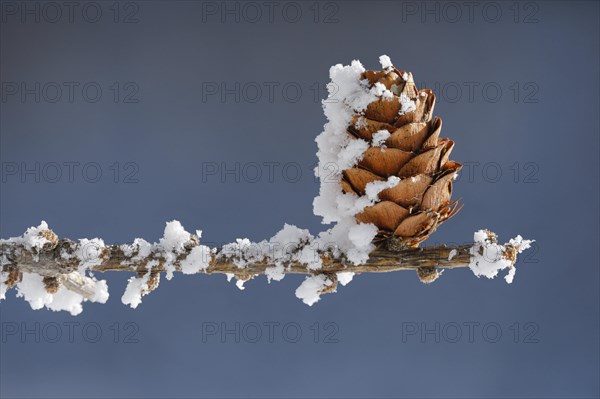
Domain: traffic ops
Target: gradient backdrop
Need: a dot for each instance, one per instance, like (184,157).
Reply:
(162,99)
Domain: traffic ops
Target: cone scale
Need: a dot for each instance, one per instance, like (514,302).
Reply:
(413,151)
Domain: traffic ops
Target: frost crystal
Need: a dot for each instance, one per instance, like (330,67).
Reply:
(380,90)
(385,62)
(352,153)
(275,273)
(198,259)
(310,289)
(239,251)
(33,239)
(140,247)
(3,287)
(379,138)
(32,289)
(344,278)
(172,244)
(520,244)
(89,253)
(361,236)
(489,257)
(406,104)
(138,287)
(452,254)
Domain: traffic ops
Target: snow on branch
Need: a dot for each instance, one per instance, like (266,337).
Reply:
(58,273)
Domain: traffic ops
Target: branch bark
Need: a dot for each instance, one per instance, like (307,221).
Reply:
(65,263)
(51,262)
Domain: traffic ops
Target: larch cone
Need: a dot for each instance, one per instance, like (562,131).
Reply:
(413,209)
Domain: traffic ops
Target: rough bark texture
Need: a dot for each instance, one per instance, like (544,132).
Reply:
(49,263)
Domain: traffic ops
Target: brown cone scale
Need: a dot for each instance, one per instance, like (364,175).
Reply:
(414,151)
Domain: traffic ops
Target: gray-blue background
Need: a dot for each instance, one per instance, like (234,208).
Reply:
(544,126)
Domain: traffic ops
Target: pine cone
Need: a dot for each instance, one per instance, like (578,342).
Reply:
(409,212)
